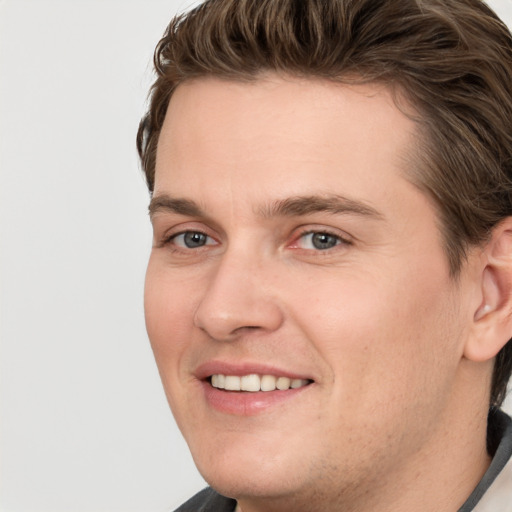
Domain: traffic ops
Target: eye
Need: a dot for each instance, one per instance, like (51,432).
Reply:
(318,240)
(192,240)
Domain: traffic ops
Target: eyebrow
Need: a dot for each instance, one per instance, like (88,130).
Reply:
(305,205)
(166,203)
(290,207)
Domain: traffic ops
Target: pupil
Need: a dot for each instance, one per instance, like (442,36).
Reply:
(324,241)
(193,239)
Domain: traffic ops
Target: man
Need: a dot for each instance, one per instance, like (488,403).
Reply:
(329,295)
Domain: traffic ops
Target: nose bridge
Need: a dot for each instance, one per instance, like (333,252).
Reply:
(238,296)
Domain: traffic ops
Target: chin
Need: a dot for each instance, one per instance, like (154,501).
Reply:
(250,469)
(252,483)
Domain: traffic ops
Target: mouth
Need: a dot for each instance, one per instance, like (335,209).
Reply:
(248,388)
(254,383)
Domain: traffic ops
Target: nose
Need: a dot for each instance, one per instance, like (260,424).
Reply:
(239,297)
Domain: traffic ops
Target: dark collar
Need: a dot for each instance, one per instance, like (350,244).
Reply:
(499,446)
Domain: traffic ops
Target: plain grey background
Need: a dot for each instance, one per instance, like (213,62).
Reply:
(84,425)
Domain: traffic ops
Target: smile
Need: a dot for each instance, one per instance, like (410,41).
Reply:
(254,382)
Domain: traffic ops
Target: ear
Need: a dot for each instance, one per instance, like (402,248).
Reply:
(492,322)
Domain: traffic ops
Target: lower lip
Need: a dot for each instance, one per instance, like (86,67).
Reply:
(246,403)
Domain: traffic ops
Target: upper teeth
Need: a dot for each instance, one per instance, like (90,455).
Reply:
(255,382)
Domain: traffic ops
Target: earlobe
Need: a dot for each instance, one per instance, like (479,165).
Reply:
(492,321)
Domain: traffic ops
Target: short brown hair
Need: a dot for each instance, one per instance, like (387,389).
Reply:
(451,60)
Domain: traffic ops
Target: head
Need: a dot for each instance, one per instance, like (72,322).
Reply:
(444,67)
(430,54)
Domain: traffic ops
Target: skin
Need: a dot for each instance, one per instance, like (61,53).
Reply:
(395,419)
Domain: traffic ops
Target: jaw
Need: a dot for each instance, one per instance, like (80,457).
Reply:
(279,459)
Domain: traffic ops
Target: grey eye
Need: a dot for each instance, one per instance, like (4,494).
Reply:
(192,240)
(323,241)
(319,241)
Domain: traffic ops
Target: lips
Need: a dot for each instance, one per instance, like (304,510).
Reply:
(243,369)
(248,389)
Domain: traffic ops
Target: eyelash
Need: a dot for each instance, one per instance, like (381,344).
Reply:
(170,240)
(339,240)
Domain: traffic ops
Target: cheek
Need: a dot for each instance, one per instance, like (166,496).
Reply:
(384,338)
(168,312)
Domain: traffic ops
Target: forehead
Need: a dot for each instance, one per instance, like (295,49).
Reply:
(281,135)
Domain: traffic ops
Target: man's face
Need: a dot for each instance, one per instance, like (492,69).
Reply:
(288,243)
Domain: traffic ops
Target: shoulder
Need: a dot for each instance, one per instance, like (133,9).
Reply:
(208,501)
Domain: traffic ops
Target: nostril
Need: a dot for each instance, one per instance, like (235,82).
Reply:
(233,306)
